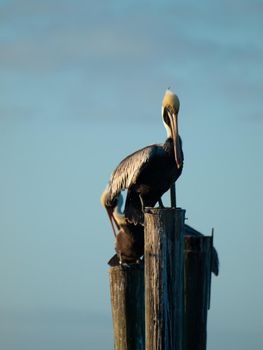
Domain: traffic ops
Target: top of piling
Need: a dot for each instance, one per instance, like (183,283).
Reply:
(157,211)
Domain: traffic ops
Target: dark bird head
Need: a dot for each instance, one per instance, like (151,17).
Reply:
(170,110)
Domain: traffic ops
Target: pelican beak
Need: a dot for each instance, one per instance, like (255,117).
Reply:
(174,131)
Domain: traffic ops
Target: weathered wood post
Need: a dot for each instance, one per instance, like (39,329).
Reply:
(197,279)
(164,263)
(127,303)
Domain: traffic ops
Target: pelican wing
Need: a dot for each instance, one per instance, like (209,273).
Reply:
(128,170)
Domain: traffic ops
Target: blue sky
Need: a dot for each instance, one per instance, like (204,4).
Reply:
(81,87)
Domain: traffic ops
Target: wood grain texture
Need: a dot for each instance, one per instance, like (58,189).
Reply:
(197,284)
(127,302)
(164,261)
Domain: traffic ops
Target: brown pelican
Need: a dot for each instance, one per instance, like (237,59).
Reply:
(129,244)
(149,172)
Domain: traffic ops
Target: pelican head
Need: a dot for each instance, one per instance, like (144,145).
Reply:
(103,198)
(170,110)
(170,99)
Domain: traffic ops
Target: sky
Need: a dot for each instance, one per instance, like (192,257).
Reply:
(81,87)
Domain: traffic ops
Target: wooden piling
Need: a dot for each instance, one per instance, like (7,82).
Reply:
(127,302)
(164,261)
(197,279)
